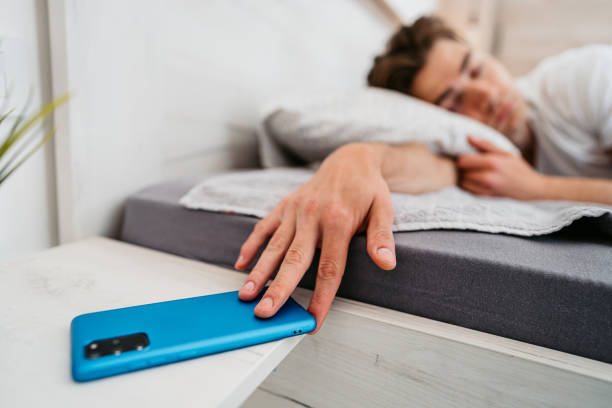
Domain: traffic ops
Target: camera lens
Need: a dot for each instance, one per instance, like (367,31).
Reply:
(116,345)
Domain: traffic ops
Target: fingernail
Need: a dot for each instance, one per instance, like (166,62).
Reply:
(386,254)
(249,286)
(240,259)
(266,303)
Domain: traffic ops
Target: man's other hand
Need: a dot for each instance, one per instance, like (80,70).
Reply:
(496,172)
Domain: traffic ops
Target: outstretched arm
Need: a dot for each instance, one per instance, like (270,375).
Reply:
(577,189)
(414,169)
(495,172)
(349,193)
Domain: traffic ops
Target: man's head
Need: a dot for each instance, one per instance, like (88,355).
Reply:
(429,61)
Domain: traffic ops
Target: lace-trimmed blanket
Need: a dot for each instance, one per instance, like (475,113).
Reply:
(257,192)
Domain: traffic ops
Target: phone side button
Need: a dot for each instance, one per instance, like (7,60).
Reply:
(157,360)
(137,365)
(188,354)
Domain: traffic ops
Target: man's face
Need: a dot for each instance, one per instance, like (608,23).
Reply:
(472,84)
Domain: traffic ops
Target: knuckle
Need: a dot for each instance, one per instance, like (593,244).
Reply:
(495,163)
(258,275)
(339,227)
(337,216)
(493,181)
(275,244)
(487,180)
(259,227)
(294,256)
(283,202)
(328,269)
(387,209)
(312,204)
(380,235)
(297,200)
(278,291)
(246,247)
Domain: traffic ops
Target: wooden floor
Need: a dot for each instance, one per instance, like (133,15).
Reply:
(371,356)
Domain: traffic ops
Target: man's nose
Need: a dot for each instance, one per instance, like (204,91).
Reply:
(479,97)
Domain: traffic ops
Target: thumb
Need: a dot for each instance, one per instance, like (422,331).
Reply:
(483,145)
(381,246)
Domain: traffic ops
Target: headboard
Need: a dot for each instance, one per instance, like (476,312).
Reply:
(163,89)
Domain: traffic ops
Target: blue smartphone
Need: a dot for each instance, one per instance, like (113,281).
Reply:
(132,338)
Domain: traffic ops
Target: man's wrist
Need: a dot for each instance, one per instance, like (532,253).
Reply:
(369,155)
(544,188)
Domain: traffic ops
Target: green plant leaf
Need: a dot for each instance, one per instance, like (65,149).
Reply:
(6,115)
(18,120)
(4,175)
(42,113)
(17,149)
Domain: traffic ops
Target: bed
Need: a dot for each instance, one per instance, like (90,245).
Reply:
(553,291)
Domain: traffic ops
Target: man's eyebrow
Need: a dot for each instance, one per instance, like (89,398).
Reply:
(462,68)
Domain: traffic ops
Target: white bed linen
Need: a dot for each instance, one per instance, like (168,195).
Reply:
(257,192)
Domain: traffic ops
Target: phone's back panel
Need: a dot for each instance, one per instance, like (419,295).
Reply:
(121,340)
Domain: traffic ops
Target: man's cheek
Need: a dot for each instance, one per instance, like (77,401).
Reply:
(474,114)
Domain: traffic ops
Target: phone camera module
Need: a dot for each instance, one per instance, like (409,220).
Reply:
(116,345)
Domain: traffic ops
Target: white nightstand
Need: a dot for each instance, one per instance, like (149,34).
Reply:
(363,356)
(40,295)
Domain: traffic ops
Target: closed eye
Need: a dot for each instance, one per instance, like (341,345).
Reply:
(456,102)
(475,72)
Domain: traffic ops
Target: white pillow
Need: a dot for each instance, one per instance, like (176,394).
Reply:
(310,128)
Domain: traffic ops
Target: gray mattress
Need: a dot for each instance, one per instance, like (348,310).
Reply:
(553,291)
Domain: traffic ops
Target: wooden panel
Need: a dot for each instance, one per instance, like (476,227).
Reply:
(164,89)
(369,356)
(533,29)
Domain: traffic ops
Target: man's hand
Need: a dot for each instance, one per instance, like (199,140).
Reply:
(496,172)
(348,193)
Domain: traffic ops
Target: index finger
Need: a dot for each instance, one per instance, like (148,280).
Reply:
(295,263)
(474,161)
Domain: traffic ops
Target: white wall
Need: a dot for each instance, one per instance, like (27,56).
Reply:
(148,78)
(28,221)
(171,88)
(530,30)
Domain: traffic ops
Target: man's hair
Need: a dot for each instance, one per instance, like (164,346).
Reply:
(406,53)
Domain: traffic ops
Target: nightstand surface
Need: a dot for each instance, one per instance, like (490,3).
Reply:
(41,294)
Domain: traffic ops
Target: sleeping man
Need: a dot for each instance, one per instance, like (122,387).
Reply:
(559,116)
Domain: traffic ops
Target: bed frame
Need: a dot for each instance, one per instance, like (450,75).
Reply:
(370,356)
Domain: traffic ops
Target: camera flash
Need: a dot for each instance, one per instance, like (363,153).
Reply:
(93,346)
